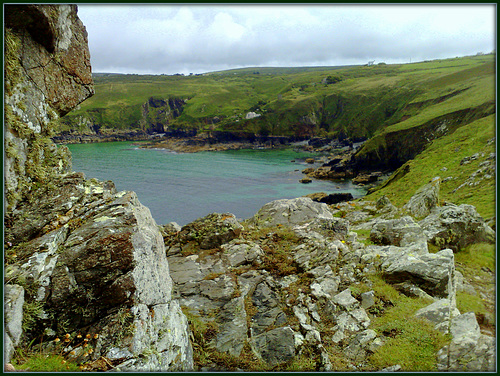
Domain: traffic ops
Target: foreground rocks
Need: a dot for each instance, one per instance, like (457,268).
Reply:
(285,283)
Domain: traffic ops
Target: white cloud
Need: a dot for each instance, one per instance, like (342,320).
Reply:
(170,39)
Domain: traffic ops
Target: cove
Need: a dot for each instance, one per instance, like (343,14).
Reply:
(182,187)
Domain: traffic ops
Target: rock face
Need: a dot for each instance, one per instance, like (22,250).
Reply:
(47,74)
(285,283)
(80,257)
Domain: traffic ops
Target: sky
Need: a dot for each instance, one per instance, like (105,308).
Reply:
(184,38)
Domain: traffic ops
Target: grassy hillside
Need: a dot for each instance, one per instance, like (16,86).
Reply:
(361,101)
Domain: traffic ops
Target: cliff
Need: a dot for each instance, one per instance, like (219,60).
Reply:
(80,257)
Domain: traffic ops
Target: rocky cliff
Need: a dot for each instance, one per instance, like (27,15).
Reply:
(303,286)
(81,259)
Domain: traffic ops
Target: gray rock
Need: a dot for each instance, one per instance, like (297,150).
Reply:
(359,345)
(232,333)
(275,346)
(211,231)
(238,253)
(469,350)
(367,299)
(292,212)
(426,198)
(434,273)
(13,317)
(269,313)
(315,251)
(346,300)
(439,313)
(399,232)
(456,227)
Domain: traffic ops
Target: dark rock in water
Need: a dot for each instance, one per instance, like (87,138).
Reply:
(366,178)
(335,198)
(310,160)
(305,180)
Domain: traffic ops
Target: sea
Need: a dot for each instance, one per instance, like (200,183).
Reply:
(181,187)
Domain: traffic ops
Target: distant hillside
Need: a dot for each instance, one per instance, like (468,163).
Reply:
(359,101)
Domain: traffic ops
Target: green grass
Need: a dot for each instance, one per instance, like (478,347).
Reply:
(410,342)
(447,152)
(366,100)
(45,363)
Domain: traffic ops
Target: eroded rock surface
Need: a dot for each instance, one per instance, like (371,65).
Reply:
(80,256)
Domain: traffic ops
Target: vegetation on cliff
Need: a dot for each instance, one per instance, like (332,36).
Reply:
(359,101)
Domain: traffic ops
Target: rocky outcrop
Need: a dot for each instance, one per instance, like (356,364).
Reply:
(285,284)
(47,74)
(157,113)
(80,256)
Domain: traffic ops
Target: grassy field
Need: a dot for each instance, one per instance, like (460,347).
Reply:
(367,100)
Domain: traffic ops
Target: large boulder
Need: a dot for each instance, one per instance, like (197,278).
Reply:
(399,232)
(469,350)
(426,198)
(456,227)
(292,212)
(433,272)
(47,73)
(101,268)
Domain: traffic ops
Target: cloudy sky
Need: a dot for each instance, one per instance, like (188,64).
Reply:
(168,39)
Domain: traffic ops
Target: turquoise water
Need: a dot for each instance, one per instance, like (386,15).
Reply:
(182,187)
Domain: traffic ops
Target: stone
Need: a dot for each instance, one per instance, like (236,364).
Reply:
(232,332)
(50,77)
(358,346)
(238,253)
(291,212)
(456,227)
(13,317)
(268,311)
(211,231)
(305,180)
(426,198)
(399,232)
(367,299)
(469,350)
(433,272)
(275,346)
(335,198)
(439,313)
(346,300)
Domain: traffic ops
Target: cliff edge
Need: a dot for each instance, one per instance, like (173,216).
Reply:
(81,259)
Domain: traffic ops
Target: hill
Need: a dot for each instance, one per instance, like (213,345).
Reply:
(358,101)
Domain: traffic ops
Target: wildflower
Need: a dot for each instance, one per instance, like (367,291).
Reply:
(85,344)
(63,361)
(56,340)
(72,352)
(79,335)
(67,335)
(85,354)
(88,336)
(96,336)
(91,350)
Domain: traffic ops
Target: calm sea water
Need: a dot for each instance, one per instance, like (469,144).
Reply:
(182,187)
